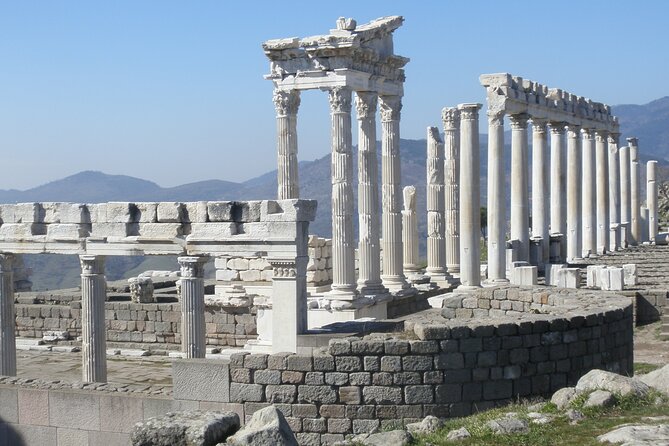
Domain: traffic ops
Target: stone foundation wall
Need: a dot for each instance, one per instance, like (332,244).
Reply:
(650,305)
(131,322)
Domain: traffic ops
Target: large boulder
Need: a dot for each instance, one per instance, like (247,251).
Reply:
(191,428)
(618,384)
(267,427)
(563,397)
(639,435)
(657,379)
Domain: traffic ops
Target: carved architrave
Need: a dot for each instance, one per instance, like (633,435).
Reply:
(286,102)
(391,108)
(365,104)
(283,268)
(340,99)
(192,267)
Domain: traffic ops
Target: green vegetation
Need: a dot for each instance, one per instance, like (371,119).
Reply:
(643,367)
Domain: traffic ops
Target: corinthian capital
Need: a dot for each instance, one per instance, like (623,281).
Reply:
(495,117)
(340,99)
(469,112)
(365,104)
(6,263)
(539,125)
(558,128)
(613,138)
(601,135)
(450,116)
(192,266)
(286,102)
(519,121)
(391,107)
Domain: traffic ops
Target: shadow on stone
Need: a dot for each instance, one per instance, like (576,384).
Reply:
(9,436)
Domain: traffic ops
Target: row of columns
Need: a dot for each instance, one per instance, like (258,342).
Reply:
(371,280)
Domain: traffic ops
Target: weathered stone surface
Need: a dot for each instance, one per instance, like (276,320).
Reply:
(657,379)
(563,397)
(638,435)
(600,398)
(458,434)
(267,427)
(141,290)
(192,428)
(429,425)
(395,438)
(620,385)
(508,425)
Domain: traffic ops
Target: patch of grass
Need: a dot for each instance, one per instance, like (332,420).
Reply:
(643,367)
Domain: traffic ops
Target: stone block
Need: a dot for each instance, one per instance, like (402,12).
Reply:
(113,229)
(9,405)
(145,212)
(21,231)
(211,231)
(316,394)
(524,275)
(227,275)
(160,231)
(382,395)
(71,437)
(569,278)
(616,279)
(169,212)
(154,407)
(349,395)
(28,213)
(240,393)
(116,212)
(288,210)
(200,379)
(220,211)
(418,394)
(300,363)
(267,377)
(630,271)
(108,439)
(33,407)
(186,428)
(281,393)
(67,231)
(36,435)
(66,213)
(196,212)
(74,410)
(120,413)
(251,275)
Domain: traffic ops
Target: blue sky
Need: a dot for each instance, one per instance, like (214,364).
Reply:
(173,91)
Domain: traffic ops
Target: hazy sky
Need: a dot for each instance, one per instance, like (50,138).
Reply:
(173,91)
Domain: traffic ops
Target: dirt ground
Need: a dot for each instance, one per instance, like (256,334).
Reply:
(648,347)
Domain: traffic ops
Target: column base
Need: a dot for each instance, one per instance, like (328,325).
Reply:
(342,293)
(395,283)
(371,289)
(495,282)
(468,288)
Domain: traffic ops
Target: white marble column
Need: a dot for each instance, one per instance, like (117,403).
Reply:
(393,277)
(540,191)
(193,339)
(369,271)
(602,178)
(625,197)
(436,245)
(286,104)
(470,197)
(589,199)
(450,117)
(574,188)
(558,186)
(410,234)
(651,199)
(520,218)
(614,191)
(343,240)
(496,199)
(635,191)
(7,317)
(93,332)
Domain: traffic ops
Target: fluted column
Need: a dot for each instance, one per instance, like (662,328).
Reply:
(614,191)
(436,245)
(450,117)
(369,271)
(589,203)
(343,243)
(625,197)
(7,317)
(558,181)
(93,333)
(393,277)
(635,183)
(540,191)
(602,163)
(574,187)
(470,197)
(496,199)
(651,199)
(520,218)
(410,233)
(193,340)
(286,104)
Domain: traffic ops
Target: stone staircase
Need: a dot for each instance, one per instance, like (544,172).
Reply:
(664,328)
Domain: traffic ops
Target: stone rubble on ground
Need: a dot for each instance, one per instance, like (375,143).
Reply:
(618,384)
(637,435)
(600,398)
(458,434)
(657,379)
(188,428)
(430,424)
(267,427)
(508,425)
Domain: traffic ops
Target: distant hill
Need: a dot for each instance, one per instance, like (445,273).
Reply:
(649,123)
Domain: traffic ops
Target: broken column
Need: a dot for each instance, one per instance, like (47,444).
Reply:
(651,199)
(289,296)
(141,290)
(343,248)
(558,223)
(286,104)
(369,271)
(496,199)
(393,277)
(540,188)
(410,233)
(574,187)
(625,197)
(470,199)
(436,246)
(614,191)
(451,120)
(602,192)
(520,219)
(93,332)
(588,201)
(635,183)
(193,341)
(7,317)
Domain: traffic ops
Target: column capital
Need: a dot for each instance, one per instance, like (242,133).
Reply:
(519,121)
(365,104)
(557,128)
(6,262)
(283,268)
(391,108)
(587,133)
(633,141)
(340,99)
(92,265)
(192,266)
(574,131)
(601,135)
(539,125)
(613,138)
(469,112)
(286,102)
(495,117)
(450,116)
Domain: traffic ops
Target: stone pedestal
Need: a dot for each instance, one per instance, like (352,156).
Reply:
(7,317)
(369,271)
(193,340)
(558,184)
(520,219)
(574,188)
(635,183)
(589,203)
(540,193)
(410,233)
(496,199)
(614,191)
(287,104)
(343,243)
(651,199)
(470,199)
(625,196)
(436,245)
(602,178)
(289,308)
(393,277)
(93,332)
(451,121)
